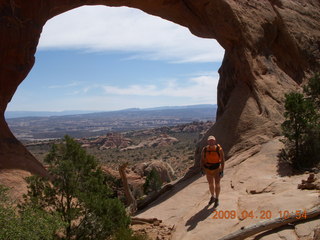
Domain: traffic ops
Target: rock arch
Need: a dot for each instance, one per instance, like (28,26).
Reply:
(271,46)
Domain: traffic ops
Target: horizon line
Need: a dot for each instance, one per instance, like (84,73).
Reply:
(121,109)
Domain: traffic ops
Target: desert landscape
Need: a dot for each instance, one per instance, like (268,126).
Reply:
(100,123)
(174,145)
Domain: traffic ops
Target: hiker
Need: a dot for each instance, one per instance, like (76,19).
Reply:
(212,163)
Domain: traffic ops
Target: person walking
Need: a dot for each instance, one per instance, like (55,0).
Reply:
(212,164)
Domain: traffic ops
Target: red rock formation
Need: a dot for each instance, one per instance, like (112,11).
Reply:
(271,46)
(111,140)
(115,140)
(155,141)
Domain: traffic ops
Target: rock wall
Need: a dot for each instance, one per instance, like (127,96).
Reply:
(271,47)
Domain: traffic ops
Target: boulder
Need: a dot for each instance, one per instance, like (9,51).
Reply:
(312,182)
(164,169)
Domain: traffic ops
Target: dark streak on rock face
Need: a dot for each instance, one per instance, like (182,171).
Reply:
(271,47)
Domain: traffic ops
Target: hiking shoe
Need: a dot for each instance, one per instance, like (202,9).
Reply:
(216,202)
(212,199)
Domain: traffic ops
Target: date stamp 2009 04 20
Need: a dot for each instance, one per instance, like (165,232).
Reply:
(263,214)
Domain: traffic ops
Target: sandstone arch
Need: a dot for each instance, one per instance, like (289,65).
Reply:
(271,46)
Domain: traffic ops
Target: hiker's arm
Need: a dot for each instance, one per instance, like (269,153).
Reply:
(222,159)
(202,159)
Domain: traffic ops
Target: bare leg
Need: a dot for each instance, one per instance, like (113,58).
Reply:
(217,184)
(210,182)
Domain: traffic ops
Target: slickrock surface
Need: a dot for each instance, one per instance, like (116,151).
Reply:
(14,179)
(255,185)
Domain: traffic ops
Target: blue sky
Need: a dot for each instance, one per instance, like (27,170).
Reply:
(102,58)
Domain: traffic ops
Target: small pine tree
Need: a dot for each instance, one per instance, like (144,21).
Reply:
(302,126)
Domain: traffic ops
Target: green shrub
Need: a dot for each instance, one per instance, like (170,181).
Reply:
(312,89)
(301,127)
(28,223)
(153,182)
(126,234)
(78,193)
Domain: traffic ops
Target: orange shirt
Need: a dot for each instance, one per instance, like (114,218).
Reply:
(211,154)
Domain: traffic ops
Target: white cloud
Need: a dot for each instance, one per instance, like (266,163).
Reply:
(200,88)
(123,29)
(148,90)
(73,84)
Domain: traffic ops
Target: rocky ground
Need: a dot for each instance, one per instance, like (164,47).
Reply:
(155,229)
(255,188)
(253,183)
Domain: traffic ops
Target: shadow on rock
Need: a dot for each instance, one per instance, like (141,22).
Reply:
(283,165)
(199,216)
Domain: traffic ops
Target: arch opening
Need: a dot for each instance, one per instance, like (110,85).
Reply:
(266,56)
(183,73)
(139,52)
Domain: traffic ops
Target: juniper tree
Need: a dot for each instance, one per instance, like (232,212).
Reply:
(312,89)
(78,192)
(302,126)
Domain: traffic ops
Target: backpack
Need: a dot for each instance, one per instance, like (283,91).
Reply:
(212,156)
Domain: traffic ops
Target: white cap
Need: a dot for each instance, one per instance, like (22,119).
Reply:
(211,138)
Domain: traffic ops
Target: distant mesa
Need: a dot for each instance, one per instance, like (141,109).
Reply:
(201,127)
(22,114)
(28,114)
(101,123)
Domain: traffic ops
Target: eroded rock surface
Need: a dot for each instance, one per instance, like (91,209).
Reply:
(271,47)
